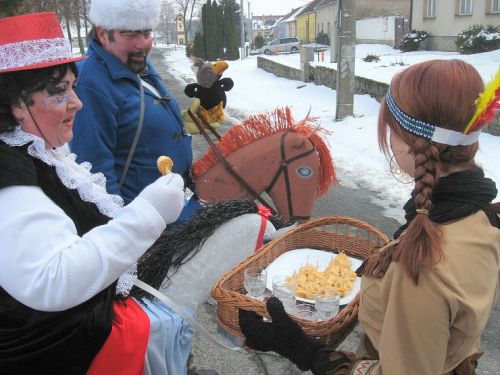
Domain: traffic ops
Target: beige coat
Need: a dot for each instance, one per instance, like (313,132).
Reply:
(429,329)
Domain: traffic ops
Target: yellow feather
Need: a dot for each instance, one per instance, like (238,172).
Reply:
(484,100)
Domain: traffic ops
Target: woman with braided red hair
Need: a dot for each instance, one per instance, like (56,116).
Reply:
(427,295)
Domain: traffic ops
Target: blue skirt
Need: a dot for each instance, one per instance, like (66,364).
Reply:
(170,340)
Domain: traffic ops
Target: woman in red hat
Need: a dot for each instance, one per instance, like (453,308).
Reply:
(67,248)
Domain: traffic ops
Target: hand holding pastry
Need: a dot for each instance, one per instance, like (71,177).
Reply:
(164,164)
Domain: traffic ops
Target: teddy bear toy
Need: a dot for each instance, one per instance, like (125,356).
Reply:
(209,93)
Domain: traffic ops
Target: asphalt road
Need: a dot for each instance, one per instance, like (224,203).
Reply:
(339,201)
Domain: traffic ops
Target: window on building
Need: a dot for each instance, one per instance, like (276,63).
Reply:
(464,7)
(495,6)
(430,9)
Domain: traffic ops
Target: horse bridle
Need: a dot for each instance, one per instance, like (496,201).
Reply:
(283,168)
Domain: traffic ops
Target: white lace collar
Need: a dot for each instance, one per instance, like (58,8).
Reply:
(91,187)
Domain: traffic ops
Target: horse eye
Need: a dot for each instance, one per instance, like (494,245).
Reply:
(304,171)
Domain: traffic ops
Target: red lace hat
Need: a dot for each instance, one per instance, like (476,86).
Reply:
(33,41)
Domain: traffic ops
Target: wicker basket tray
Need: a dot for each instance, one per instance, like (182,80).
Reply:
(334,233)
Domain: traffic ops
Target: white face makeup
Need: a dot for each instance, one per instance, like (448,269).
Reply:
(51,115)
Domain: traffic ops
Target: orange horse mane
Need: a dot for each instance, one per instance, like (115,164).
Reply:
(264,125)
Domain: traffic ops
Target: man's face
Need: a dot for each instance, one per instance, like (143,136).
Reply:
(130,47)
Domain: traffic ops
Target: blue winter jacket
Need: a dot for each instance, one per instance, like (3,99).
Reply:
(105,128)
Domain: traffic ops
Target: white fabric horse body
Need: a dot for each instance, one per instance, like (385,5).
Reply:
(230,244)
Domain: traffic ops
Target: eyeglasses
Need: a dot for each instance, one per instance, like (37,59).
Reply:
(135,33)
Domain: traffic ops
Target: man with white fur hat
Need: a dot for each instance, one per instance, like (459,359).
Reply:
(129,118)
(127,105)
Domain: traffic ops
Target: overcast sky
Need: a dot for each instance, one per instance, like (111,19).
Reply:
(271,7)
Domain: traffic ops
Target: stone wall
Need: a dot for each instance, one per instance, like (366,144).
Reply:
(280,70)
(322,75)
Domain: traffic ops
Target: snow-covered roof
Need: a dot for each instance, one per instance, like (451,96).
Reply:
(291,16)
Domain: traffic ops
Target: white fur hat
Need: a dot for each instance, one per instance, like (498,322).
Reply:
(125,14)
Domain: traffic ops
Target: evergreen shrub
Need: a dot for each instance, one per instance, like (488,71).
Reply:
(371,57)
(412,40)
(258,41)
(322,38)
(478,38)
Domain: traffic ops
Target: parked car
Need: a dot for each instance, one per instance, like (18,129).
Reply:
(282,45)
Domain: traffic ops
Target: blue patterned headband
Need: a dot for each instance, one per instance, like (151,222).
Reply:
(426,129)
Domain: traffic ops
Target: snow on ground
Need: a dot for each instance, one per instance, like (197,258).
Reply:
(353,141)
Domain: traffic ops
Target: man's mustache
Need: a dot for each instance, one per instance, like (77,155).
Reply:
(138,54)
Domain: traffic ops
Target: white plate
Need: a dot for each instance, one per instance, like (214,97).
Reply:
(291,261)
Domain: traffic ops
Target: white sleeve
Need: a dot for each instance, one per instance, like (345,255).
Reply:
(45,265)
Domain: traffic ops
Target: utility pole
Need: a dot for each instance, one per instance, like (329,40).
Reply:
(242,23)
(346,59)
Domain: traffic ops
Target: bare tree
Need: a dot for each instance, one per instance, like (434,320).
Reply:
(166,27)
(188,9)
(32,6)
(77,16)
(68,16)
(69,12)
(9,8)
(84,14)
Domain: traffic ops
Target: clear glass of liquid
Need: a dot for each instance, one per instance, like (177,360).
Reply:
(284,289)
(327,304)
(255,279)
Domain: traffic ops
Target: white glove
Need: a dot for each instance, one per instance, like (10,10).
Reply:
(166,195)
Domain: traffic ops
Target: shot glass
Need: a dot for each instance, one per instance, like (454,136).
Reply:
(327,304)
(307,312)
(284,290)
(254,280)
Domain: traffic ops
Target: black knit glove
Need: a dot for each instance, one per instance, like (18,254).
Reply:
(331,362)
(283,335)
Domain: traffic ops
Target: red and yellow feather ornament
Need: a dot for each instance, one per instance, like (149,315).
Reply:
(486,105)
